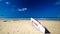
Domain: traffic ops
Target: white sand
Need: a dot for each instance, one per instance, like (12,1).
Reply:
(26,27)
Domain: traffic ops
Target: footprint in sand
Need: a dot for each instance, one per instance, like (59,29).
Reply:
(5,21)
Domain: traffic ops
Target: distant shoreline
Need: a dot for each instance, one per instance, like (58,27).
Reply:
(29,19)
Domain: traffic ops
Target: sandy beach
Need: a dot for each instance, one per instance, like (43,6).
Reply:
(26,27)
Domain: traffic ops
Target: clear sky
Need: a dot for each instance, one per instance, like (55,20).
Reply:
(30,8)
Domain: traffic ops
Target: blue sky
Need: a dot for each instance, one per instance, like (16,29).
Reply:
(30,8)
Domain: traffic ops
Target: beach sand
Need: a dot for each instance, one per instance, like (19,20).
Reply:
(26,27)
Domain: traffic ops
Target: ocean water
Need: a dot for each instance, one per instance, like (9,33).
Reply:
(30,8)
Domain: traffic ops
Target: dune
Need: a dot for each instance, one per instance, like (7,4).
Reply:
(26,27)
